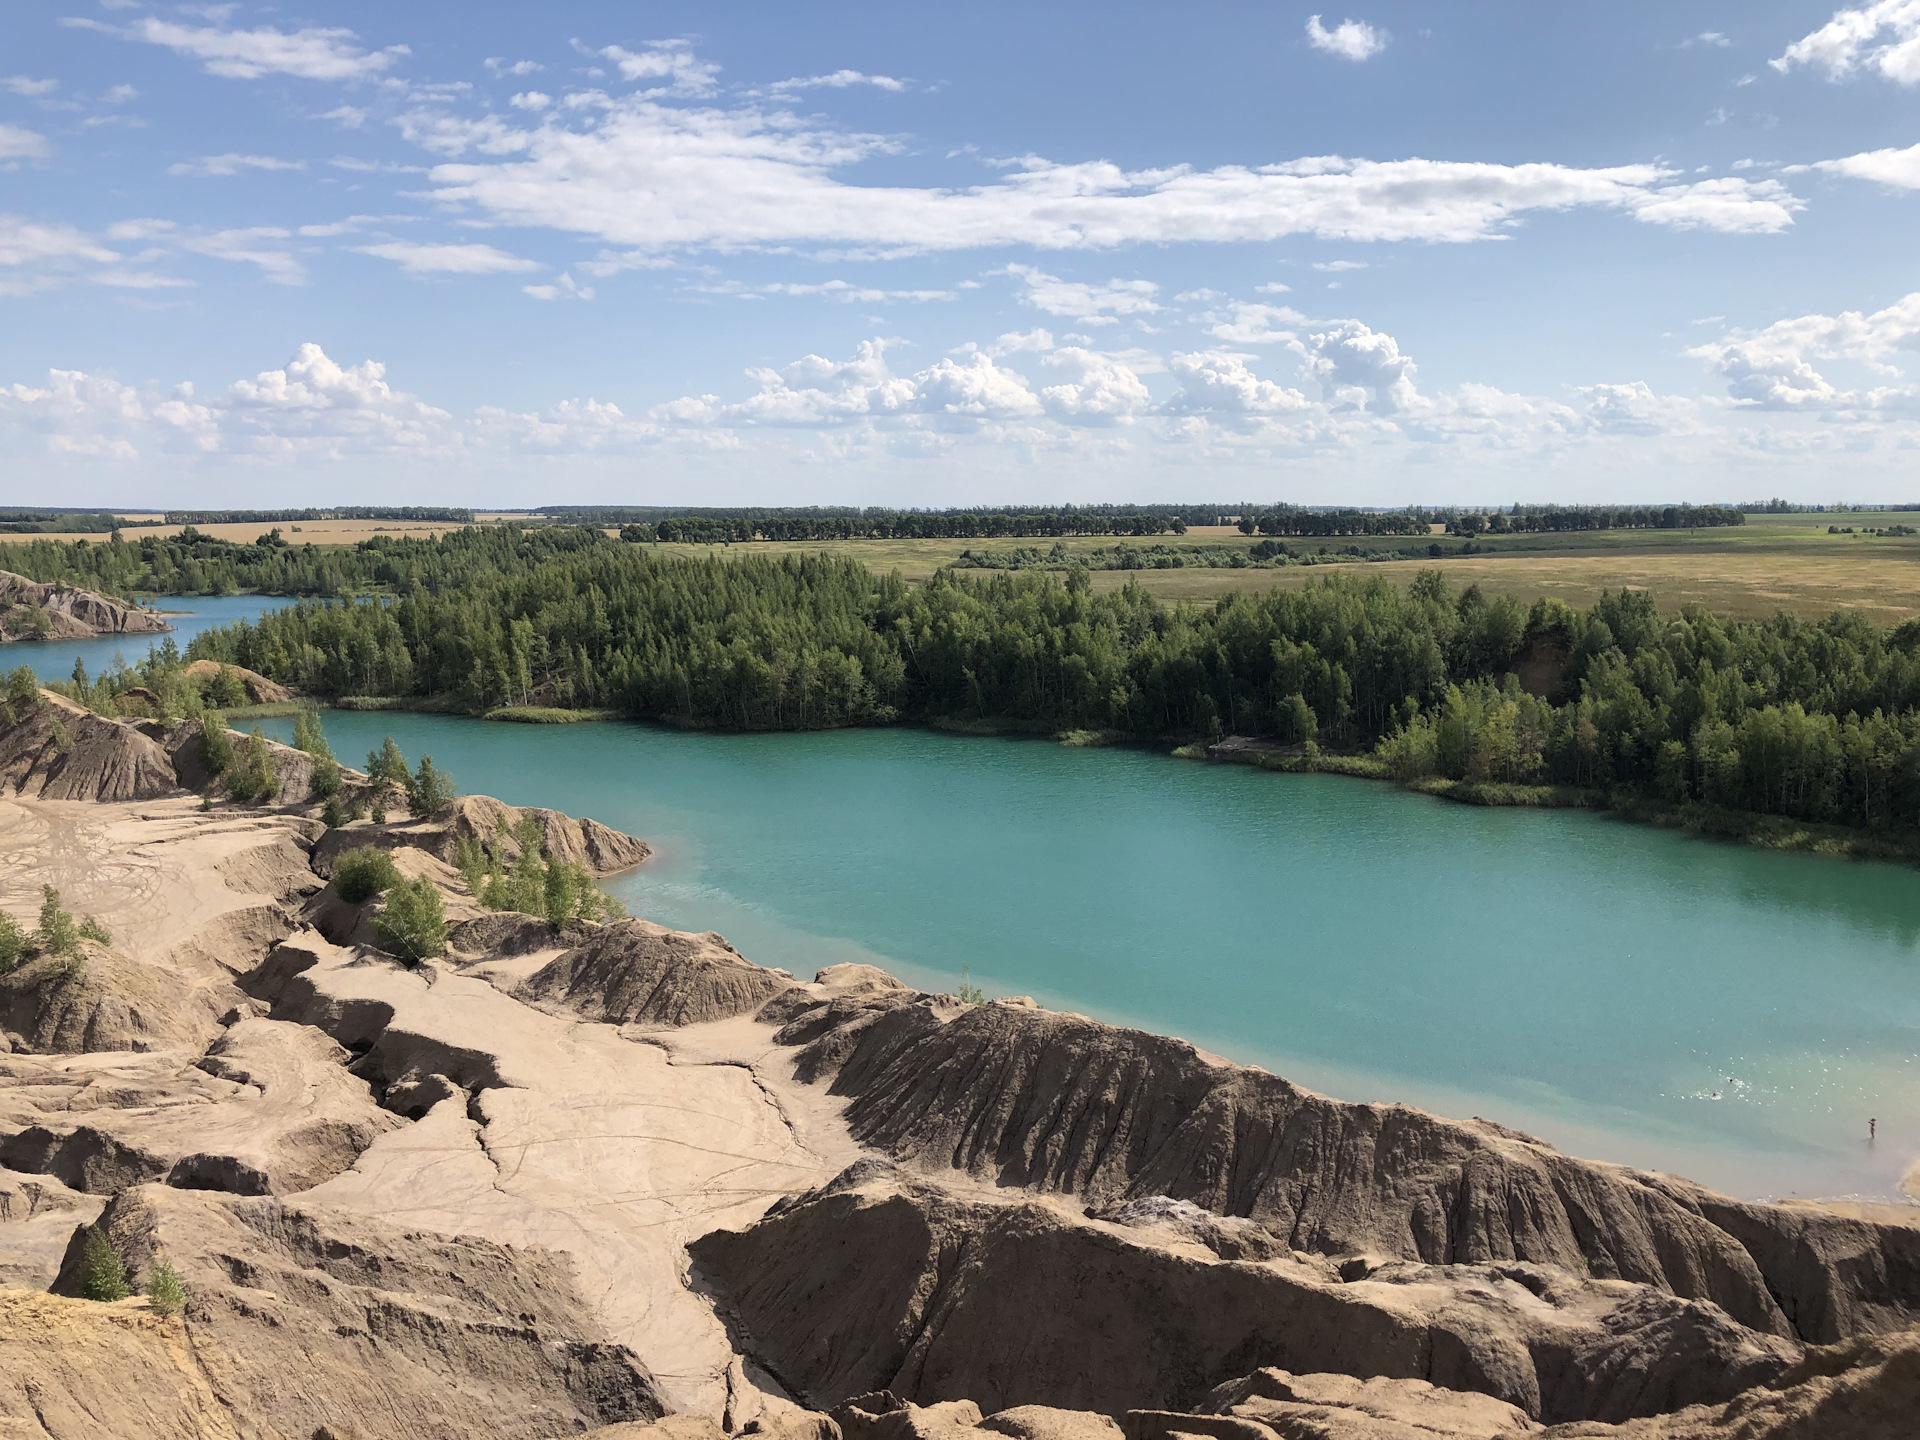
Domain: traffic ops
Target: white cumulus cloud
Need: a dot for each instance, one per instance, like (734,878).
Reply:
(1773,368)
(1883,38)
(1350,39)
(1898,168)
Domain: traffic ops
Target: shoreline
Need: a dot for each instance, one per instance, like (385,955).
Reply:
(1766,832)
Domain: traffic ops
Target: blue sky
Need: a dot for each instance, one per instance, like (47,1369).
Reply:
(872,253)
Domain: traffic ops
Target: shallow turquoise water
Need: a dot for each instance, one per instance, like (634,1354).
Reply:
(1627,993)
(53,659)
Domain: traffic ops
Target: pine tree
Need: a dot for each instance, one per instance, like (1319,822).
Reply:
(102,1275)
(166,1296)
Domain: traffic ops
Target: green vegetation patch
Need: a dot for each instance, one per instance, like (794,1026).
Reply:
(546,715)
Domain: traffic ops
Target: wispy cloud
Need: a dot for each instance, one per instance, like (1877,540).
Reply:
(17,143)
(310,54)
(233,164)
(838,80)
(424,259)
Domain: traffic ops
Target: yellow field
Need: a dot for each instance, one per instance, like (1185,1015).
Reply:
(1774,563)
(317,532)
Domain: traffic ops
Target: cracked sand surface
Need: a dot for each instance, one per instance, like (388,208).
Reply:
(616,1147)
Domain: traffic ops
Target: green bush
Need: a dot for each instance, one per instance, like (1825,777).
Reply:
(23,689)
(58,934)
(363,873)
(216,744)
(387,763)
(324,783)
(330,813)
(254,780)
(14,946)
(226,690)
(92,929)
(429,789)
(166,1296)
(102,1276)
(413,925)
(471,860)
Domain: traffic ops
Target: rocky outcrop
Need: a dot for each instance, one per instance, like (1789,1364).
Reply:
(62,751)
(306,1321)
(100,999)
(1058,1103)
(602,850)
(879,1281)
(1331,1405)
(37,1216)
(30,610)
(269,1109)
(634,972)
(293,769)
(1866,1389)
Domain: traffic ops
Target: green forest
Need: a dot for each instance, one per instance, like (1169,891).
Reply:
(1817,721)
(193,563)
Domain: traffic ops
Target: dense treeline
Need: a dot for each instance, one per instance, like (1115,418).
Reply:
(1286,520)
(1812,720)
(1534,518)
(52,522)
(1187,514)
(439,514)
(195,564)
(901,525)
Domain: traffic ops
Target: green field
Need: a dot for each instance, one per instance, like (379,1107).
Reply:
(1772,563)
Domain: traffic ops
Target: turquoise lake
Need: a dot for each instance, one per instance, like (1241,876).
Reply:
(1626,993)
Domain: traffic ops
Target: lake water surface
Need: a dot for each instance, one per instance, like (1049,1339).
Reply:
(1627,993)
(53,659)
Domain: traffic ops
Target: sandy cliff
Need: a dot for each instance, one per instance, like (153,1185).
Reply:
(30,610)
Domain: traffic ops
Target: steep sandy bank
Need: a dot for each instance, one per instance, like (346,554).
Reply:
(1060,1104)
(30,610)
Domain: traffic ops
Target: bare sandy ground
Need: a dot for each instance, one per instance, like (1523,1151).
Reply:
(614,1145)
(158,874)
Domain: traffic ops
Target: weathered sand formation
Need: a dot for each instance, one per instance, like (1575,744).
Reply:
(63,751)
(482,818)
(1061,1104)
(559,1181)
(259,689)
(30,610)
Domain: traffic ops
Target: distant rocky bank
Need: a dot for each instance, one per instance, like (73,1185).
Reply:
(615,1180)
(30,610)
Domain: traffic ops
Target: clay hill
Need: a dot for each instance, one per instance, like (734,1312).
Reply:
(618,1181)
(30,610)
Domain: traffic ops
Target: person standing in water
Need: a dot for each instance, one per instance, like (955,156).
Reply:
(1872,1126)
